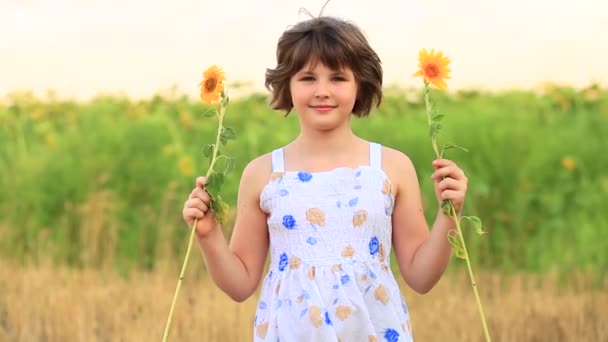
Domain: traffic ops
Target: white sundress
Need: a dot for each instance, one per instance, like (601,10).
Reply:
(330,240)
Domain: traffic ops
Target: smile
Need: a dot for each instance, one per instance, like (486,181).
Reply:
(323,108)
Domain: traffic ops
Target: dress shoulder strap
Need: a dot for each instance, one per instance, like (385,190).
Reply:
(278,164)
(375,155)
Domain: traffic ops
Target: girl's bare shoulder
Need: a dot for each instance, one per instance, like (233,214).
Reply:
(257,172)
(398,166)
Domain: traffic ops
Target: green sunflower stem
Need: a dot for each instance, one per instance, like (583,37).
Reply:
(193,229)
(179,281)
(455,217)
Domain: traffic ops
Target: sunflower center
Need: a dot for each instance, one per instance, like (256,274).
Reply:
(210,84)
(431,70)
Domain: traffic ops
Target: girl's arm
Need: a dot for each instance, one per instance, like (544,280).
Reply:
(237,267)
(422,256)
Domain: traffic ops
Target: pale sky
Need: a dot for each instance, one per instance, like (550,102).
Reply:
(84,47)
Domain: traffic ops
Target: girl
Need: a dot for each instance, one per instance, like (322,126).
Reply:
(329,205)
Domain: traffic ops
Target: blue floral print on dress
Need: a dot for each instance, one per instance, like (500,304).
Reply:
(328,321)
(387,211)
(304,177)
(283,261)
(374,246)
(327,231)
(391,335)
(289,222)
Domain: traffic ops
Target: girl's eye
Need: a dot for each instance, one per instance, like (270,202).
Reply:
(307,78)
(339,78)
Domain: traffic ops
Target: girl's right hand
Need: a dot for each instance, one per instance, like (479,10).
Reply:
(198,206)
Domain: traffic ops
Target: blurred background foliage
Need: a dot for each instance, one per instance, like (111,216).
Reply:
(102,183)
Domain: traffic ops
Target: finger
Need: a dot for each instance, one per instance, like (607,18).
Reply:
(451,195)
(439,163)
(202,194)
(192,213)
(451,171)
(444,171)
(200,182)
(197,203)
(450,184)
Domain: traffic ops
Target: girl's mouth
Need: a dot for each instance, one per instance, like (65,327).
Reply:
(323,108)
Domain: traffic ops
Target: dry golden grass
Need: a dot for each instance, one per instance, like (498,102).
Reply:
(55,304)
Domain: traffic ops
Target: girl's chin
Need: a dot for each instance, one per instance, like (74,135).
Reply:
(324,125)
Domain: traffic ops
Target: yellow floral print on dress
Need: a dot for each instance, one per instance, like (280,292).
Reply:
(387,187)
(343,311)
(381,294)
(294,262)
(348,252)
(315,316)
(330,244)
(276,175)
(316,216)
(359,218)
(311,273)
(262,330)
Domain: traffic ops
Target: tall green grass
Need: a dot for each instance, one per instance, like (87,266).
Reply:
(102,183)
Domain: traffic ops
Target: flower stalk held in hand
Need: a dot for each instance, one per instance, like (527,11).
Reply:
(434,70)
(212,91)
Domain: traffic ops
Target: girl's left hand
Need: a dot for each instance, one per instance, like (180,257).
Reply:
(450,183)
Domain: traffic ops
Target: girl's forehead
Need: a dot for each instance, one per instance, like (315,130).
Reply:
(314,64)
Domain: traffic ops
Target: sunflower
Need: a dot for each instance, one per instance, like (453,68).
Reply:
(568,163)
(212,84)
(434,67)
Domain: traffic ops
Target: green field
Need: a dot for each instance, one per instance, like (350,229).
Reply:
(102,183)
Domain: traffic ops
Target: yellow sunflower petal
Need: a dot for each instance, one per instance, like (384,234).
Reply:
(212,84)
(433,67)
(439,83)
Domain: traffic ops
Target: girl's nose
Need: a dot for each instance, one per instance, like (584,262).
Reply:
(322,90)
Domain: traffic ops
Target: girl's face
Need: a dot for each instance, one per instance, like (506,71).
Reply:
(322,97)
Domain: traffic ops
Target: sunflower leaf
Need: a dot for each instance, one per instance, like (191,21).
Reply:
(434,129)
(224,163)
(208,150)
(475,222)
(225,99)
(227,134)
(452,145)
(209,113)
(220,209)
(229,165)
(456,244)
(214,183)
(438,117)
(446,206)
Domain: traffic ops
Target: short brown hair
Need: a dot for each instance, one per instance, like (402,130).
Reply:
(337,44)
